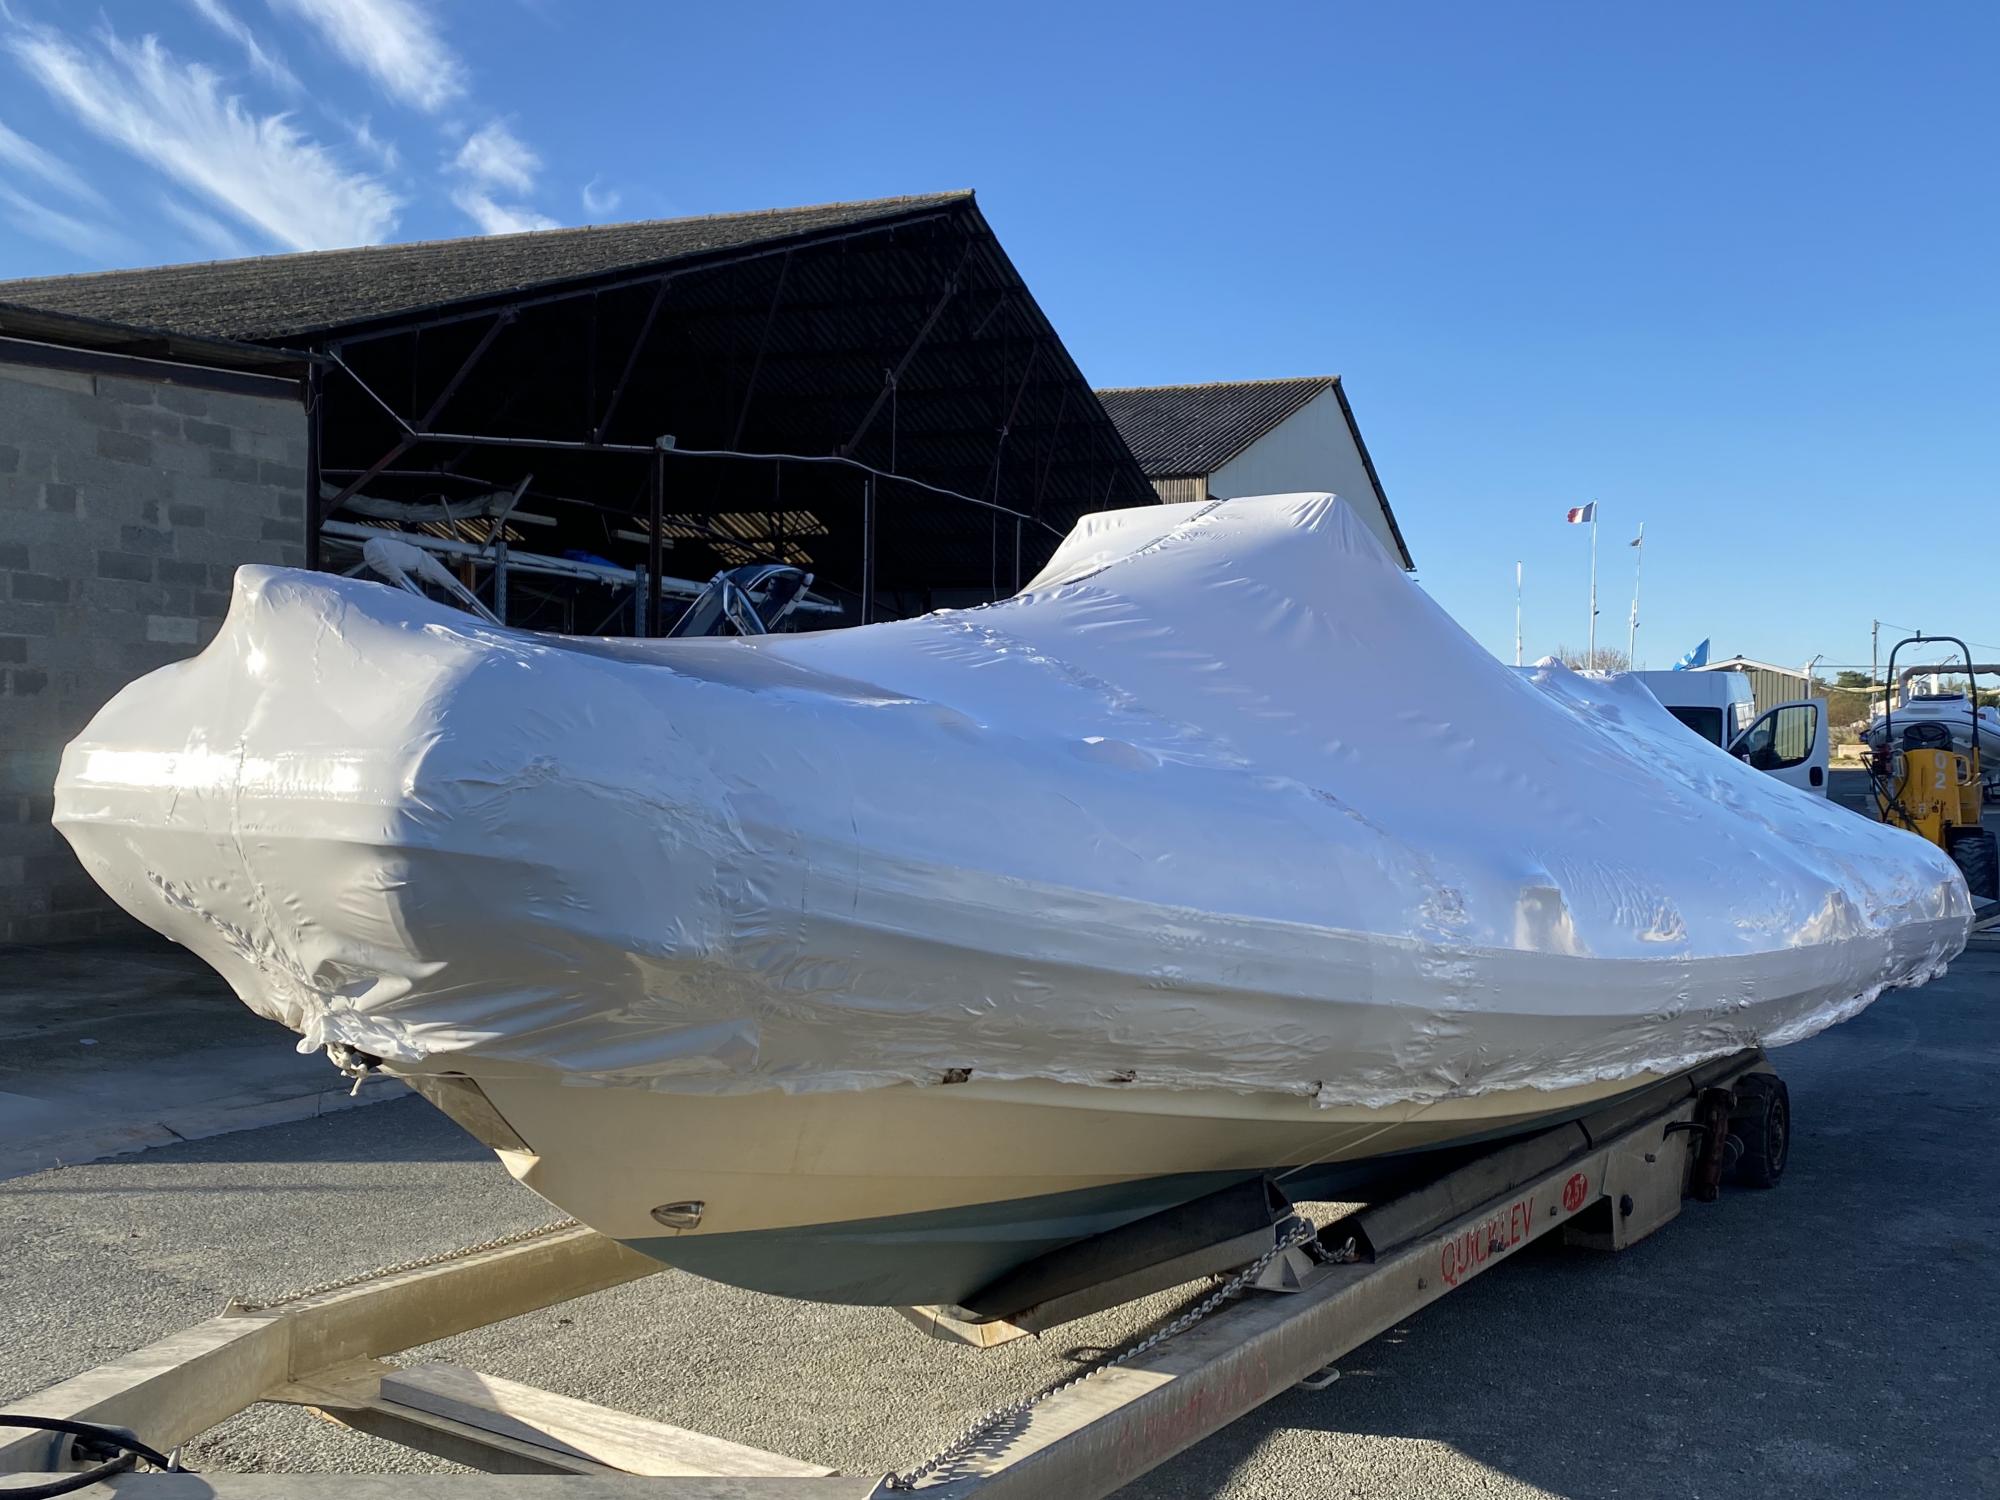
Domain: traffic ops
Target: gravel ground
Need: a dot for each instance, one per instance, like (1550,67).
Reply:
(1835,1337)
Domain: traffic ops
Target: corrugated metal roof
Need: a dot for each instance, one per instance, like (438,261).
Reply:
(1749,664)
(287,296)
(1196,429)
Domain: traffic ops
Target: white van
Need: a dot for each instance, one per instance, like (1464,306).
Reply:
(1788,742)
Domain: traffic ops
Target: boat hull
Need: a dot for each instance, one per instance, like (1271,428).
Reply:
(924,1195)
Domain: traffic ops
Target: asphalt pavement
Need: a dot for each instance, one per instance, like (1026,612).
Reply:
(124,1043)
(1834,1337)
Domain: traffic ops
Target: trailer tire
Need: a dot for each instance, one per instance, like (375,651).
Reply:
(1762,1121)
(1978,860)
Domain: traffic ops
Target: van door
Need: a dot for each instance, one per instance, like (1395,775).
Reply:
(1790,743)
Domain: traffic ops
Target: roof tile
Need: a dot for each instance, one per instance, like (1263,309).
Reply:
(1196,429)
(277,297)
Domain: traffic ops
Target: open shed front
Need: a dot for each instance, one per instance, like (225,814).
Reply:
(898,416)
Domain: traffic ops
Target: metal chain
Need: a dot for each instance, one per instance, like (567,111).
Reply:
(519,1236)
(1302,1232)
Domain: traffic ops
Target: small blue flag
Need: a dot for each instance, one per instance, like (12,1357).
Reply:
(1695,658)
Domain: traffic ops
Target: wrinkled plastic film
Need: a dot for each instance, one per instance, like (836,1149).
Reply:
(1222,800)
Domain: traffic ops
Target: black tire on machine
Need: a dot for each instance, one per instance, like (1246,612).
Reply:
(1762,1123)
(1973,850)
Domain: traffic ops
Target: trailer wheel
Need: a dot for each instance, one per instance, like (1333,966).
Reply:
(1762,1121)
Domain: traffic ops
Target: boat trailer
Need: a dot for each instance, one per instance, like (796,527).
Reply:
(1288,1305)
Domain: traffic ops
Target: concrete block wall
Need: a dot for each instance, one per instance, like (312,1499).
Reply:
(126,506)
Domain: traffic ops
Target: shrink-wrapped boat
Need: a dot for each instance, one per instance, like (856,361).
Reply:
(867,964)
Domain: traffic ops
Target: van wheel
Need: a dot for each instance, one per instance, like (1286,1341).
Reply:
(1762,1122)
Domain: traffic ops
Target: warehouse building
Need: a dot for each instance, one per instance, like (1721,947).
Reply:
(1254,437)
(1770,685)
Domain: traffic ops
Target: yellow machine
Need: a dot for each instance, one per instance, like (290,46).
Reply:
(1924,784)
(1929,789)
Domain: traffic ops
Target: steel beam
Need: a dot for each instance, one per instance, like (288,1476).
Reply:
(868,549)
(631,360)
(1055,432)
(757,362)
(1007,426)
(413,433)
(895,375)
(353,486)
(168,370)
(315,402)
(656,518)
(436,409)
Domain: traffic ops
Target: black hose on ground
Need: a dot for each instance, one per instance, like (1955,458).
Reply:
(116,1450)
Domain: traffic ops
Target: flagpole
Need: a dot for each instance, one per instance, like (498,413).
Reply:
(1632,634)
(1517,613)
(1590,651)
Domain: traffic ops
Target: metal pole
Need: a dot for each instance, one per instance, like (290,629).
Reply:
(1590,648)
(1517,613)
(655,524)
(1632,630)
(500,582)
(868,549)
(315,389)
(1017,554)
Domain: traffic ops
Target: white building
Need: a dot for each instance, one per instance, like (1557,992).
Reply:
(1254,437)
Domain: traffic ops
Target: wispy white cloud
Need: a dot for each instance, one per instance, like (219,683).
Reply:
(598,202)
(500,218)
(24,155)
(491,161)
(383,151)
(494,158)
(395,42)
(210,233)
(261,169)
(98,242)
(226,21)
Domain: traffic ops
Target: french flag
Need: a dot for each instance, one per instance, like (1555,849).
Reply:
(1580,513)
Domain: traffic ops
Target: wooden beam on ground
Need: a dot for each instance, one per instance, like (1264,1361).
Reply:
(524,1429)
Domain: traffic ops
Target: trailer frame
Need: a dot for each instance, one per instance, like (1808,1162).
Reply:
(1602,1182)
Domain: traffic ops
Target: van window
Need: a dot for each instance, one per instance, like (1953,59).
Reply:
(1706,722)
(1781,739)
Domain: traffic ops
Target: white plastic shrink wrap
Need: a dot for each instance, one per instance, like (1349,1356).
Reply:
(1222,800)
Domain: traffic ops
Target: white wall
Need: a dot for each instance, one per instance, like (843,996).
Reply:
(1311,449)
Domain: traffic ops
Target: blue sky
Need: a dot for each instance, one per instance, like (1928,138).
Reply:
(1728,269)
